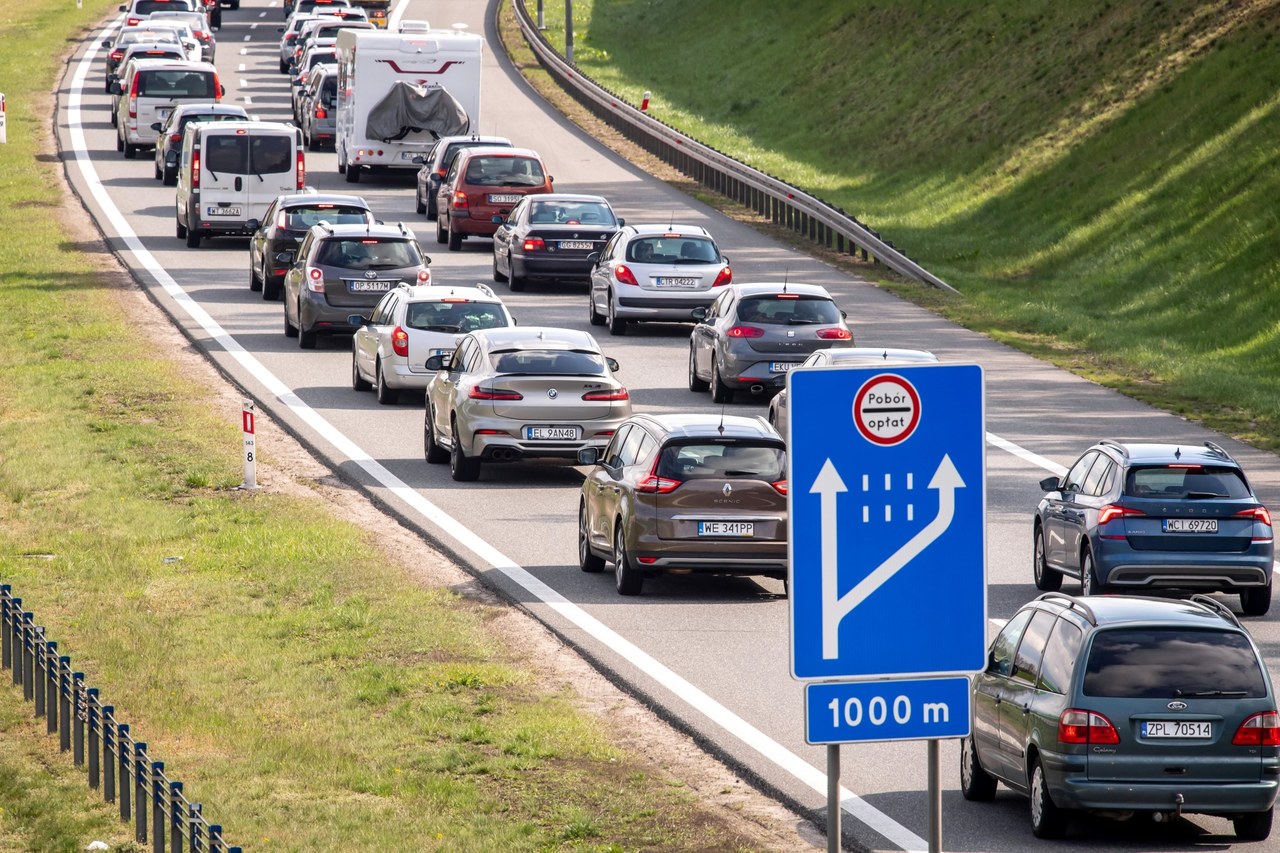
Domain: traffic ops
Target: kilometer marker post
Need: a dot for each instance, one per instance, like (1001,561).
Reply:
(250,447)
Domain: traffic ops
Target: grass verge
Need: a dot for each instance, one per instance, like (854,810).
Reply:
(283,663)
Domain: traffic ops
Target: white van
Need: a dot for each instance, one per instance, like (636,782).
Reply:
(149,89)
(231,171)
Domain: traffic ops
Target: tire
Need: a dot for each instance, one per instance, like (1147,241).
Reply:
(442,233)
(418,206)
(434,453)
(1046,578)
(593,316)
(455,240)
(626,577)
(284,67)
(170,178)
(1089,583)
(255,281)
(193,238)
(119,139)
(432,213)
(1256,601)
(976,784)
(587,561)
(498,276)
(180,229)
(270,289)
(353,173)
(290,330)
(1047,820)
(386,396)
(695,384)
(720,393)
(159,175)
(130,151)
(1255,826)
(358,382)
(518,283)
(463,468)
(617,325)
(306,339)
(312,145)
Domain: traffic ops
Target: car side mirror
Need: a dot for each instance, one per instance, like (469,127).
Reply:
(593,258)
(497,220)
(357,320)
(155,125)
(253,224)
(1050,484)
(551,179)
(106,42)
(419,160)
(699,313)
(426,260)
(124,8)
(589,456)
(724,259)
(436,362)
(222,91)
(284,257)
(621,222)
(613,364)
(844,315)
(279,29)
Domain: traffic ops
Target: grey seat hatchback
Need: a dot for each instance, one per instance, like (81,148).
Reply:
(1128,706)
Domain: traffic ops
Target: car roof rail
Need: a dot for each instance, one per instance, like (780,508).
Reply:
(405,229)
(1072,603)
(1217,606)
(1120,448)
(484,288)
(1218,450)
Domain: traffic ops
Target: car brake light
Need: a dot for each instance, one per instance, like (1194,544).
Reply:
(1257,513)
(787,296)
(133,97)
(655,485)
(282,219)
(321,112)
(315,280)
(400,341)
(1077,726)
(533,244)
(217,89)
(1259,730)
(424,276)
(460,200)
(725,276)
(302,170)
(175,137)
(607,395)
(117,55)
(1110,512)
(780,486)
(835,334)
(745,332)
(479,392)
(624,274)
(442,172)
(195,170)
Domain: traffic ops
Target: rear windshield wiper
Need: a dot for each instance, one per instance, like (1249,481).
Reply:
(1206,495)
(1209,693)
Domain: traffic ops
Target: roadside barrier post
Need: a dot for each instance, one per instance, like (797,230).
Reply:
(215,839)
(77,726)
(50,686)
(41,674)
(64,704)
(140,793)
(644,103)
(15,639)
(3,133)
(108,756)
(568,31)
(250,455)
(157,807)
(197,827)
(6,644)
(124,772)
(94,719)
(29,656)
(175,817)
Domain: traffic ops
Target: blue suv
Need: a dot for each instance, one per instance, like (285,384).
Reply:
(1155,516)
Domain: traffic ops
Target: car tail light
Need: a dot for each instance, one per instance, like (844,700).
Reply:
(217,89)
(745,332)
(442,172)
(117,55)
(725,276)
(195,170)
(321,112)
(1261,516)
(533,244)
(400,341)
(607,395)
(624,274)
(835,334)
(133,97)
(424,276)
(282,219)
(1077,726)
(460,201)
(655,485)
(1259,730)
(302,171)
(133,22)
(480,392)
(1111,512)
(780,486)
(315,280)
(175,137)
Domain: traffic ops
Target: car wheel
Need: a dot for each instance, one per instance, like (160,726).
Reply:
(593,316)
(498,275)
(455,240)
(255,281)
(1255,826)
(270,289)
(290,330)
(284,67)
(720,393)
(386,396)
(159,175)
(617,325)
(130,151)
(1046,578)
(306,339)
(353,173)
(463,468)
(418,206)
(358,382)
(976,784)
(1047,820)
(119,138)
(434,453)
(312,145)
(431,209)
(180,229)
(587,560)
(1089,583)
(517,282)
(442,233)
(626,576)
(193,238)
(170,178)
(1256,601)
(695,384)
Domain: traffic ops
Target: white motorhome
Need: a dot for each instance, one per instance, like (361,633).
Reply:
(398,91)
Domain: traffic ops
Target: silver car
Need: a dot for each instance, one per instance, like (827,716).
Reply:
(318,107)
(848,357)
(754,333)
(655,272)
(412,323)
(508,394)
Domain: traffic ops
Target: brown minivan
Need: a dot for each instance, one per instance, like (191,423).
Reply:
(481,187)
(688,493)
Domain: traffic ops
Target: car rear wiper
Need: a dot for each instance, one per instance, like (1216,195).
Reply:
(1206,693)
(1205,495)
(742,473)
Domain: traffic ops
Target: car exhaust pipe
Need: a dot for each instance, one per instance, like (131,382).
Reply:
(503,454)
(757,388)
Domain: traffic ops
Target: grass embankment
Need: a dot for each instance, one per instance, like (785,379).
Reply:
(1098,179)
(305,688)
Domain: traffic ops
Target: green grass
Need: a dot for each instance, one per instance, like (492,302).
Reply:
(296,678)
(1098,179)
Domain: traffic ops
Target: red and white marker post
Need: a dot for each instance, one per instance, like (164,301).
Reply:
(250,448)
(644,103)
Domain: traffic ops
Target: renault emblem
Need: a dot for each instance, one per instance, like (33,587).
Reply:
(728,490)
(370,274)
(552,393)
(1177,706)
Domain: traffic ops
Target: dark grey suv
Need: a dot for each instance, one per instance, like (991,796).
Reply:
(1128,706)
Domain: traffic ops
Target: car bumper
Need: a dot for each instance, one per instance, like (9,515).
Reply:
(508,447)
(315,314)
(550,266)
(471,226)
(1193,570)
(670,307)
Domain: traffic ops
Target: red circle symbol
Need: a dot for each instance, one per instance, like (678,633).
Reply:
(886,409)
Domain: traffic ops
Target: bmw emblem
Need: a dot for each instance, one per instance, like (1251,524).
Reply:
(728,490)
(1177,706)
(552,393)
(370,274)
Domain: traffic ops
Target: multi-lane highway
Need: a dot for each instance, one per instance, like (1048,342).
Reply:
(710,653)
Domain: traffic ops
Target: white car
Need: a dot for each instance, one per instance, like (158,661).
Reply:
(412,323)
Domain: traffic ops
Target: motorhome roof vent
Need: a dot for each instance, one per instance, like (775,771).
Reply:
(415,27)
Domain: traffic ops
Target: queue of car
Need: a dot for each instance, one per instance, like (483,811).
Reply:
(1133,706)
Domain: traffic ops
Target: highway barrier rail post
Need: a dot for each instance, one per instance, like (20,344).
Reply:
(114,762)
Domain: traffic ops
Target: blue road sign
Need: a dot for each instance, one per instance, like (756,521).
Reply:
(864,711)
(887,494)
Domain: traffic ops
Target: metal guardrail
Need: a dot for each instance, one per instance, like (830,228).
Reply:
(785,205)
(117,763)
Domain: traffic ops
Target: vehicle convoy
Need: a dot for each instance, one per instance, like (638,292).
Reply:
(275,241)
(399,91)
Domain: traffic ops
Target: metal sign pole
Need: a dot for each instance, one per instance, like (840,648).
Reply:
(935,797)
(833,798)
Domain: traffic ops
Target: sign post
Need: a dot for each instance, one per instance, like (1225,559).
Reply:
(4,134)
(250,447)
(887,540)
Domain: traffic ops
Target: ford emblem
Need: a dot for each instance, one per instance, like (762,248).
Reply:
(1177,706)
(552,393)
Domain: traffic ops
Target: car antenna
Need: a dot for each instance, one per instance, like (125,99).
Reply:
(720,429)
(785,275)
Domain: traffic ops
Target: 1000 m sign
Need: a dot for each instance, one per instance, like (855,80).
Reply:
(916,709)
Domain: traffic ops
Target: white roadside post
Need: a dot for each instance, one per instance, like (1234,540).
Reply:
(250,459)
(3,134)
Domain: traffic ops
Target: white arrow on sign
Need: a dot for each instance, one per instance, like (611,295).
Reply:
(834,606)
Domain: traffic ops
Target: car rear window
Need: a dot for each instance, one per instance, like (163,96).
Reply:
(1168,663)
(187,118)
(460,316)
(548,362)
(146,7)
(368,254)
(304,216)
(672,249)
(177,83)
(570,213)
(1186,481)
(454,147)
(505,172)
(158,35)
(788,310)
(722,458)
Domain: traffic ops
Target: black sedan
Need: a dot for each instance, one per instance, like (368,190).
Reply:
(276,238)
(552,236)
